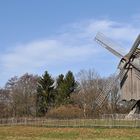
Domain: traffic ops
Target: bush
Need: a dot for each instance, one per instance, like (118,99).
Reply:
(65,112)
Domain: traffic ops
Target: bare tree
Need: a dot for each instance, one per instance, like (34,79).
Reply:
(23,94)
(4,103)
(87,91)
(114,97)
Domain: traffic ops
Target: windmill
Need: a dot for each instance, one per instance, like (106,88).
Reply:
(129,75)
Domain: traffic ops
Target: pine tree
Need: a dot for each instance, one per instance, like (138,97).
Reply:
(65,86)
(60,92)
(45,94)
(70,82)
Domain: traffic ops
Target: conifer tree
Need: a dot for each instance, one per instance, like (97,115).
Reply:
(65,86)
(45,94)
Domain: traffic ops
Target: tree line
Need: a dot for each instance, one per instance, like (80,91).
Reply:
(66,96)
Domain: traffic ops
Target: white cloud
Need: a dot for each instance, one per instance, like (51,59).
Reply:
(50,52)
(73,46)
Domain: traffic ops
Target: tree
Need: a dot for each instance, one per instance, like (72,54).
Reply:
(65,86)
(114,95)
(88,89)
(4,103)
(70,82)
(45,94)
(60,93)
(22,92)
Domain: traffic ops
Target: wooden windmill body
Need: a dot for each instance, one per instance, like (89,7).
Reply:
(130,82)
(129,66)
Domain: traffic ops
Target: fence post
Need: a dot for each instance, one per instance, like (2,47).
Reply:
(12,121)
(25,121)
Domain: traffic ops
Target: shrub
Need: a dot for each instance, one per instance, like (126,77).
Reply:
(65,112)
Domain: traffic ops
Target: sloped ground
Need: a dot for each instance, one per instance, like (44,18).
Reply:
(42,133)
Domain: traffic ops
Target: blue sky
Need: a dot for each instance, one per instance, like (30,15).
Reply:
(57,35)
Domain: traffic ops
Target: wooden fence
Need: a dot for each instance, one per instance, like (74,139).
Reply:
(105,121)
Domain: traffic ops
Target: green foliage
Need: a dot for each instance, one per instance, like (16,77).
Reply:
(45,94)
(65,86)
(70,83)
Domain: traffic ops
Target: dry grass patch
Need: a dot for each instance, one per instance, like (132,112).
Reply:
(41,133)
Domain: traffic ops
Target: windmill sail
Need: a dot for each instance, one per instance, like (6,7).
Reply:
(102,97)
(134,47)
(109,45)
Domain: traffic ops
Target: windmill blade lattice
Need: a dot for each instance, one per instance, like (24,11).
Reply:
(134,47)
(103,96)
(109,45)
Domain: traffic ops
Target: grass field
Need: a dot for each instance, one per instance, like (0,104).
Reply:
(42,133)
